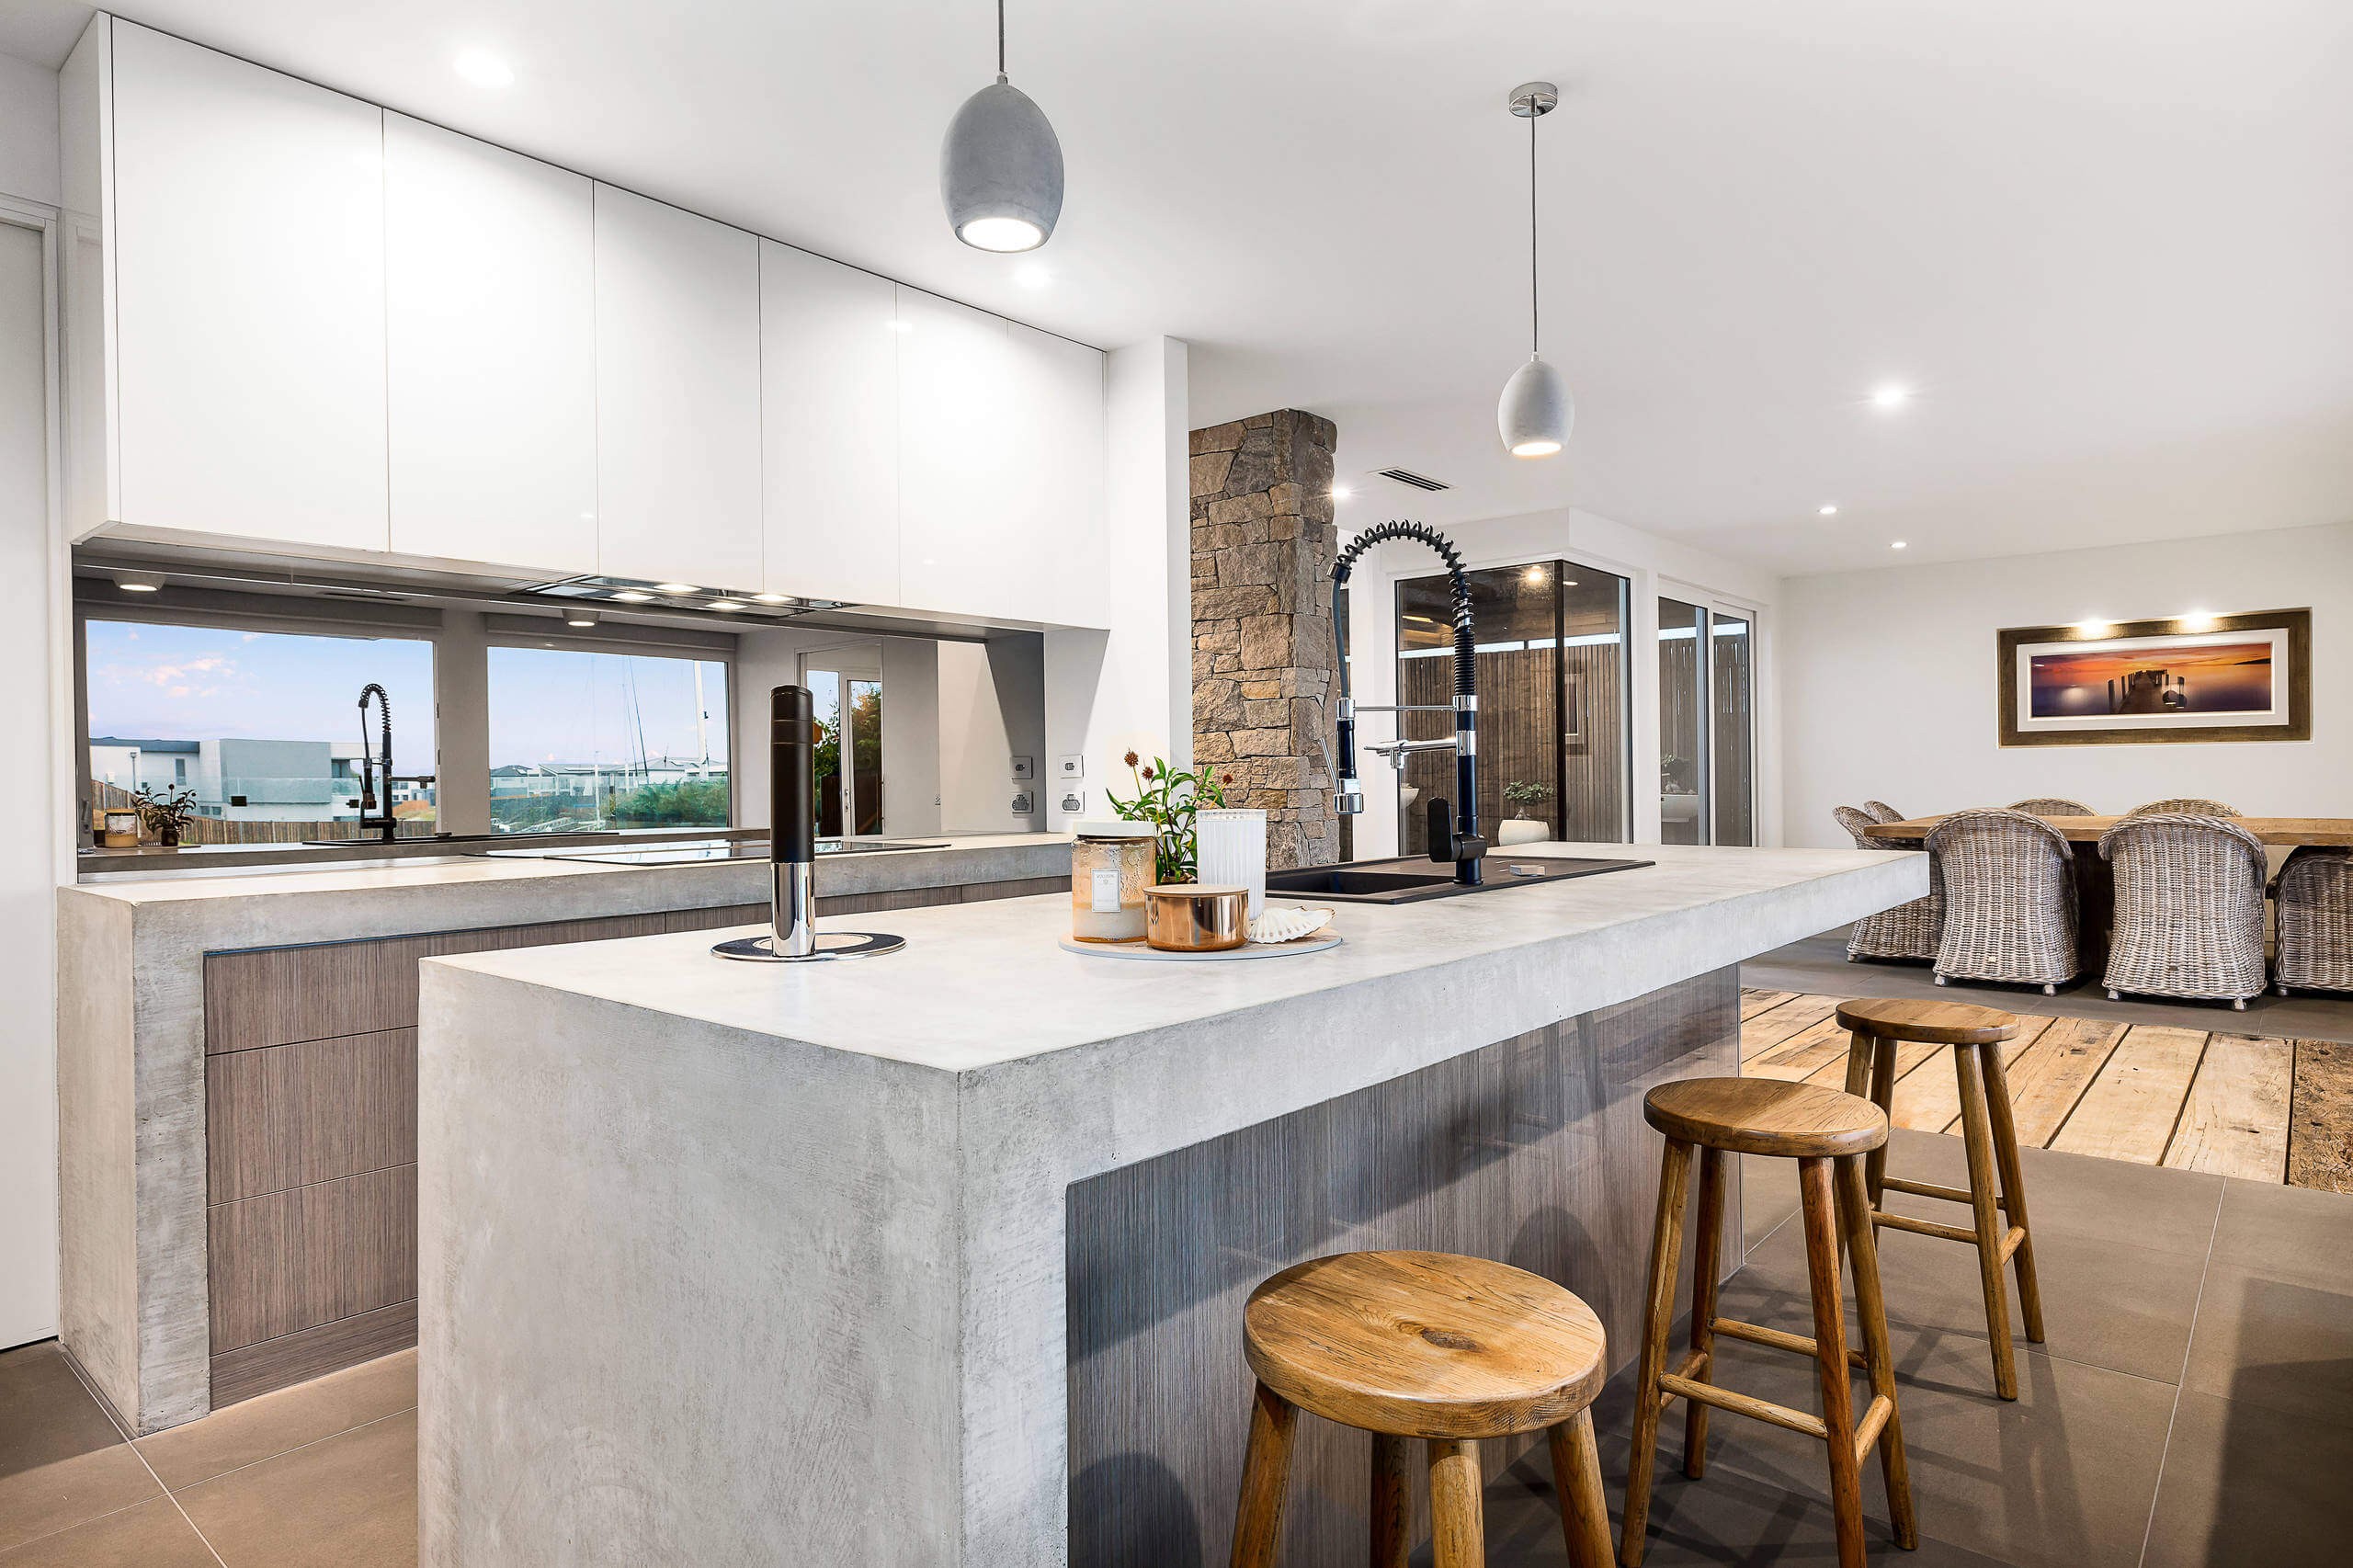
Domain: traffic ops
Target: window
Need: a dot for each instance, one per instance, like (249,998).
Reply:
(263,727)
(1550,640)
(1707,724)
(588,739)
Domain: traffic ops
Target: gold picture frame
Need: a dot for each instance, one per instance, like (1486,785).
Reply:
(2206,677)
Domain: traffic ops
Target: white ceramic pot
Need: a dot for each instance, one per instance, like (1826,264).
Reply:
(1520,830)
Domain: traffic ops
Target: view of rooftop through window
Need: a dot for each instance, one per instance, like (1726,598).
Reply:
(262,727)
(585,740)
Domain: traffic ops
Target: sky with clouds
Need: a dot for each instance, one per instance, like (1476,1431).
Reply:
(546,705)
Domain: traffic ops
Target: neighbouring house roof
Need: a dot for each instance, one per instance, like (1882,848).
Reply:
(190,747)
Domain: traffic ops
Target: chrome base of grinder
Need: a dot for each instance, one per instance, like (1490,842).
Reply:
(831,945)
(793,936)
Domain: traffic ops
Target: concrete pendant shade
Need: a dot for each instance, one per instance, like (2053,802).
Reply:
(1001,171)
(1534,414)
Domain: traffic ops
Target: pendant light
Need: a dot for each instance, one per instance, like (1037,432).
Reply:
(1534,412)
(1001,167)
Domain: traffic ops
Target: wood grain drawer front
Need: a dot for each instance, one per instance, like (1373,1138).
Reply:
(287,1115)
(277,995)
(309,1255)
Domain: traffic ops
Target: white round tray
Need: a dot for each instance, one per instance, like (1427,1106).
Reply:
(1316,943)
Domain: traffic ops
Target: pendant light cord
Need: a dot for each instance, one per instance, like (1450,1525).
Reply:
(1000,39)
(1531,228)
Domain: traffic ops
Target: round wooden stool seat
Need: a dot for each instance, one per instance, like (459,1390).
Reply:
(1928,1023)
(1424,1345)
(1766,1116)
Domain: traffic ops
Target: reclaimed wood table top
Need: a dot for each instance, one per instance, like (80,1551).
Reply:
(2316,831)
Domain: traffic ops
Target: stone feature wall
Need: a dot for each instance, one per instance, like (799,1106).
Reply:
(1263,543)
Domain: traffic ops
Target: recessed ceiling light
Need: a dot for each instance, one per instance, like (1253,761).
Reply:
(676,588)
(483,69)
(580,617)
(1534,576)
(1830,511)
(726,604)
(1898,544)
(772,598)
(138,582)
(1341,493)
(632,596)
(1891,396)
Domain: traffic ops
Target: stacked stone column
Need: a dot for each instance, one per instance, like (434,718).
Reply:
(1263,543)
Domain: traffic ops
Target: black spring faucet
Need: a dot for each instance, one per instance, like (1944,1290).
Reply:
(368,766)
(1454,834)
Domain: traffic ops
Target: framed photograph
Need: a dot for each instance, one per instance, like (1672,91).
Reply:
(2212,678)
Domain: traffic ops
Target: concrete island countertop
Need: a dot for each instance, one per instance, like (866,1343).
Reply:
(810,1218)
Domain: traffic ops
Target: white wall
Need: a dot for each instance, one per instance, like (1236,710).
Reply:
(28,130)
(992,709)
(1131,688)
(30,852)
(1654,564)
(1891,688)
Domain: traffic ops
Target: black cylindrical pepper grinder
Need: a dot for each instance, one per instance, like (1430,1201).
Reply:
(792,934)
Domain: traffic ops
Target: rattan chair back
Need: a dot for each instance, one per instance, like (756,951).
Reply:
(1882,812)
(2185,806)
(2189,907)
(2008,884)
(2316,913)
(1907,931)
(2053,806)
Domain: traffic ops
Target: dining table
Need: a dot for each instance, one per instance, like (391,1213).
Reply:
(2095,888)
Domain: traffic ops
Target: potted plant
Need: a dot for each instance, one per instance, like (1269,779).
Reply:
(1523,826)
(165,815)
(1170,799)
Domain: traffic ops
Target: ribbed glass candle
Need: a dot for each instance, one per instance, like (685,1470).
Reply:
(1233,850)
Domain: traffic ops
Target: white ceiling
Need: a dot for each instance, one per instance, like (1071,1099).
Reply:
(2109,241)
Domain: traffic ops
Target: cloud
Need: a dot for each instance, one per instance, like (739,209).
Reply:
(171,675)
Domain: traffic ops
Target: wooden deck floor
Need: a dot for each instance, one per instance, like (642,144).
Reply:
(2236,1104)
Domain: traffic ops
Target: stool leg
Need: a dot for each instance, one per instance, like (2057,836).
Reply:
(1266,1477)
(1882,1095)
(1977,1139)
(2006,1154)
(1854,1204)
(1576,1476)
(1458,1524)
(1859,1062)
(1820,1213)
(1393,1502)
(1658,1313)
(1706,1264)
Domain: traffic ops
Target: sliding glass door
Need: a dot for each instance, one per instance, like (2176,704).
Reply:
(845,689)
(1707,723)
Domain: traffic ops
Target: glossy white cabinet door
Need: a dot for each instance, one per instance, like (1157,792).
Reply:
(829,378)
(249,251)
(964,547)
(490,277)
(678,396)
(1057,472)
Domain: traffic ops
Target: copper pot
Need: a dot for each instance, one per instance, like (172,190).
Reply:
(1188,918)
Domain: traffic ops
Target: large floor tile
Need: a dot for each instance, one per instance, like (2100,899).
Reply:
(2287,1233)
(2276,1346)
(348,1501)
(2106,1304)
(2147,1205)
(151,1534)
(2241,1485)
(61,1460)
(256,1429)
(1768,1195)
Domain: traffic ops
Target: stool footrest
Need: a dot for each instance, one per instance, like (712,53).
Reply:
(1933,1190)
(1961,1234)
(1695,1364)
(1744,1404)
(1873,1423)
(1797,1344)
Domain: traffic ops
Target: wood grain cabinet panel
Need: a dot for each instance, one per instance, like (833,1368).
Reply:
(291,1114)
(310,1255)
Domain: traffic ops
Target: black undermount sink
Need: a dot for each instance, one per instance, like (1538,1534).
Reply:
(1412,878)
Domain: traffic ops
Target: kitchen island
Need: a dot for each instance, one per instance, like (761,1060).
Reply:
(938,1259)
(237,1072)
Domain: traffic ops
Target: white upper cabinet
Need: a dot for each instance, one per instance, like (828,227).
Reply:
(247,246)
(963,547)
(829,377)
(678,396)
(1057,447)
(489,273)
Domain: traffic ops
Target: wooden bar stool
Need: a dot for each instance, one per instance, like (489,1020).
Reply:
(1422,1344)
(1827,1133)
(1989,1136)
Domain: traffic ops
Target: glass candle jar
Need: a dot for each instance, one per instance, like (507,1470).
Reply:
(1111,865)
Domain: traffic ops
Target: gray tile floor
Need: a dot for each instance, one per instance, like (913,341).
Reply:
(2193,1404)
(1818,966)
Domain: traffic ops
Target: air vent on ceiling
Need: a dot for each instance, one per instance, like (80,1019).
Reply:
(1418,480)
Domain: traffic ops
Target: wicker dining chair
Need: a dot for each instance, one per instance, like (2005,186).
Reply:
(1907,931)
(2185,806)
(2189,908)
(2053,806)
(2314,891)
(2008,884)
(1879,811)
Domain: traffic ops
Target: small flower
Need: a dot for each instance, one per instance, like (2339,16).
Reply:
(1148,772)
(1226,778)
(1132,760)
